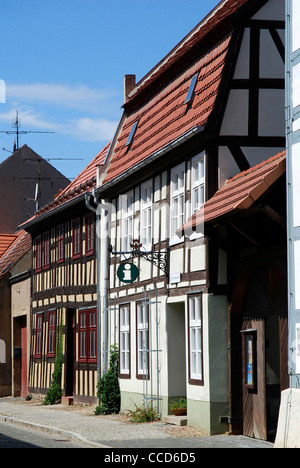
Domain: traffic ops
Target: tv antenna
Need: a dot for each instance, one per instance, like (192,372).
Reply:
(18,132)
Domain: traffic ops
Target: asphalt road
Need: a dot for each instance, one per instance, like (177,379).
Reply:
(12,436)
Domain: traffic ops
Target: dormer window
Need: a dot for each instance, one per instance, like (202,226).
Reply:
(191,91)
(132,133)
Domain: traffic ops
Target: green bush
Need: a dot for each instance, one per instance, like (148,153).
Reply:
(108,386)
(143,414)
(179,403)
(55,393)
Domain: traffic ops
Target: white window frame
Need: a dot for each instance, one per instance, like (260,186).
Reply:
(142,324)
(124,312)
(127,209)
(197,184)
(177,201)
(195,339)
(146,215)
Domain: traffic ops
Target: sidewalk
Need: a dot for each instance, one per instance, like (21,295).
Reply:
(78,423)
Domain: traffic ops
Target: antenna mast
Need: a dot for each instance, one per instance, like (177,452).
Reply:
(18,132)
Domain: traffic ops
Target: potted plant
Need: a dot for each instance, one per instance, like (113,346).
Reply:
(178,407)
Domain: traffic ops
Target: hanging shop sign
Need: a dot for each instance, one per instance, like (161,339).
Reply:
(127,272)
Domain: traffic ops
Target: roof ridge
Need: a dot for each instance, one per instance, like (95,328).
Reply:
(212,20)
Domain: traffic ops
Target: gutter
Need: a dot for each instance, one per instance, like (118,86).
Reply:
(56,210)
(102,259)
(153,157)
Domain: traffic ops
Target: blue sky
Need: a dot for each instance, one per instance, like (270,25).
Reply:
(63,63)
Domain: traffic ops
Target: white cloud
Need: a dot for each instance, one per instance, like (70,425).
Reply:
(92,129)
(74,97)
(85,129)
(79,112)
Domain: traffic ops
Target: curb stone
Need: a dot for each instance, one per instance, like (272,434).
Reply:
(72,436)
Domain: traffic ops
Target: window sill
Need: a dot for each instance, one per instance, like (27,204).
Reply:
(176,241)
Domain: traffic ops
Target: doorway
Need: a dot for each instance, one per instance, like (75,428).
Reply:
(70,352)
(20,381)
(176,350)
(260,347)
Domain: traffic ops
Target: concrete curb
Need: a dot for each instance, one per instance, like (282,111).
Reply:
(72,436)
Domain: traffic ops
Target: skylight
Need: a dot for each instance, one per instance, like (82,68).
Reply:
(132,133)
(191,90)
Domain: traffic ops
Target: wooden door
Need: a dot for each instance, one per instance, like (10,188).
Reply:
(254,389)
(24,358)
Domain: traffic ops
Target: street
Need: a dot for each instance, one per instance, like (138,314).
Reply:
(12,436)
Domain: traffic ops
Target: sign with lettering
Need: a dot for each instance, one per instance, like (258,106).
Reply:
(2,352)
(127,272)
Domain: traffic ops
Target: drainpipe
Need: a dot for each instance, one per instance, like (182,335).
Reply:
(102,259)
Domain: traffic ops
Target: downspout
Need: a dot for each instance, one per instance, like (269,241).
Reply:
(102,259)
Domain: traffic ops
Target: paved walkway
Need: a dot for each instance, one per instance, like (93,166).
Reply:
(80,423)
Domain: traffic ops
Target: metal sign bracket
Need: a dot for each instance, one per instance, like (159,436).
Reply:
(159,259)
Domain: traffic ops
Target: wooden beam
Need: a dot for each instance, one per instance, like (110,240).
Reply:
(276,217)
(244,235)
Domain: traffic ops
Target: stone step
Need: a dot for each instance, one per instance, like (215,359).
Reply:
(175,420)
(67,400)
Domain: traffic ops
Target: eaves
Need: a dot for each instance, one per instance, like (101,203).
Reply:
(42,217)
(110,185)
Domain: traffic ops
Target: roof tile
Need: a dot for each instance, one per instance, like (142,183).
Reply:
(83,183)
(166,116)
(5,241)
(17,249)
(239,193)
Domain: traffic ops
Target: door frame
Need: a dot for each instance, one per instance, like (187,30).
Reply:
(251,402)
(70,376)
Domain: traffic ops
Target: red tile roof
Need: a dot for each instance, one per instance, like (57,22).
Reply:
(166,117)
(214,19)
(5,241)
(83,183)
(17,249)
(239,193)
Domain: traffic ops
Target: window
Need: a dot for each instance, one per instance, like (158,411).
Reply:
(132,133)
(76,239)
(177,200)
(89,234)
(127,221)
(60,244)
(38,253)
(124,341)
(82,336)
(46,250)
(195,340)
(146,215)
(142,324)
(198,183)
(51,333)
(38,336)
(93,335)
(250,363)
(191,91)
(88,335)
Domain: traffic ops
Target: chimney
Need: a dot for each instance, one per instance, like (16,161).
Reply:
(129,84)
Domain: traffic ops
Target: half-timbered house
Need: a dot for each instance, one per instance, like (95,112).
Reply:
(64,291)
(15,273)
(211,111)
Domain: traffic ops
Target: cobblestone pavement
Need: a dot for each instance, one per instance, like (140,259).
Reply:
(79,424)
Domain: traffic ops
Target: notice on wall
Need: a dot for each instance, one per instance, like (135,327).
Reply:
(296,178)
(2,352)
(297,353)
(297,273)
